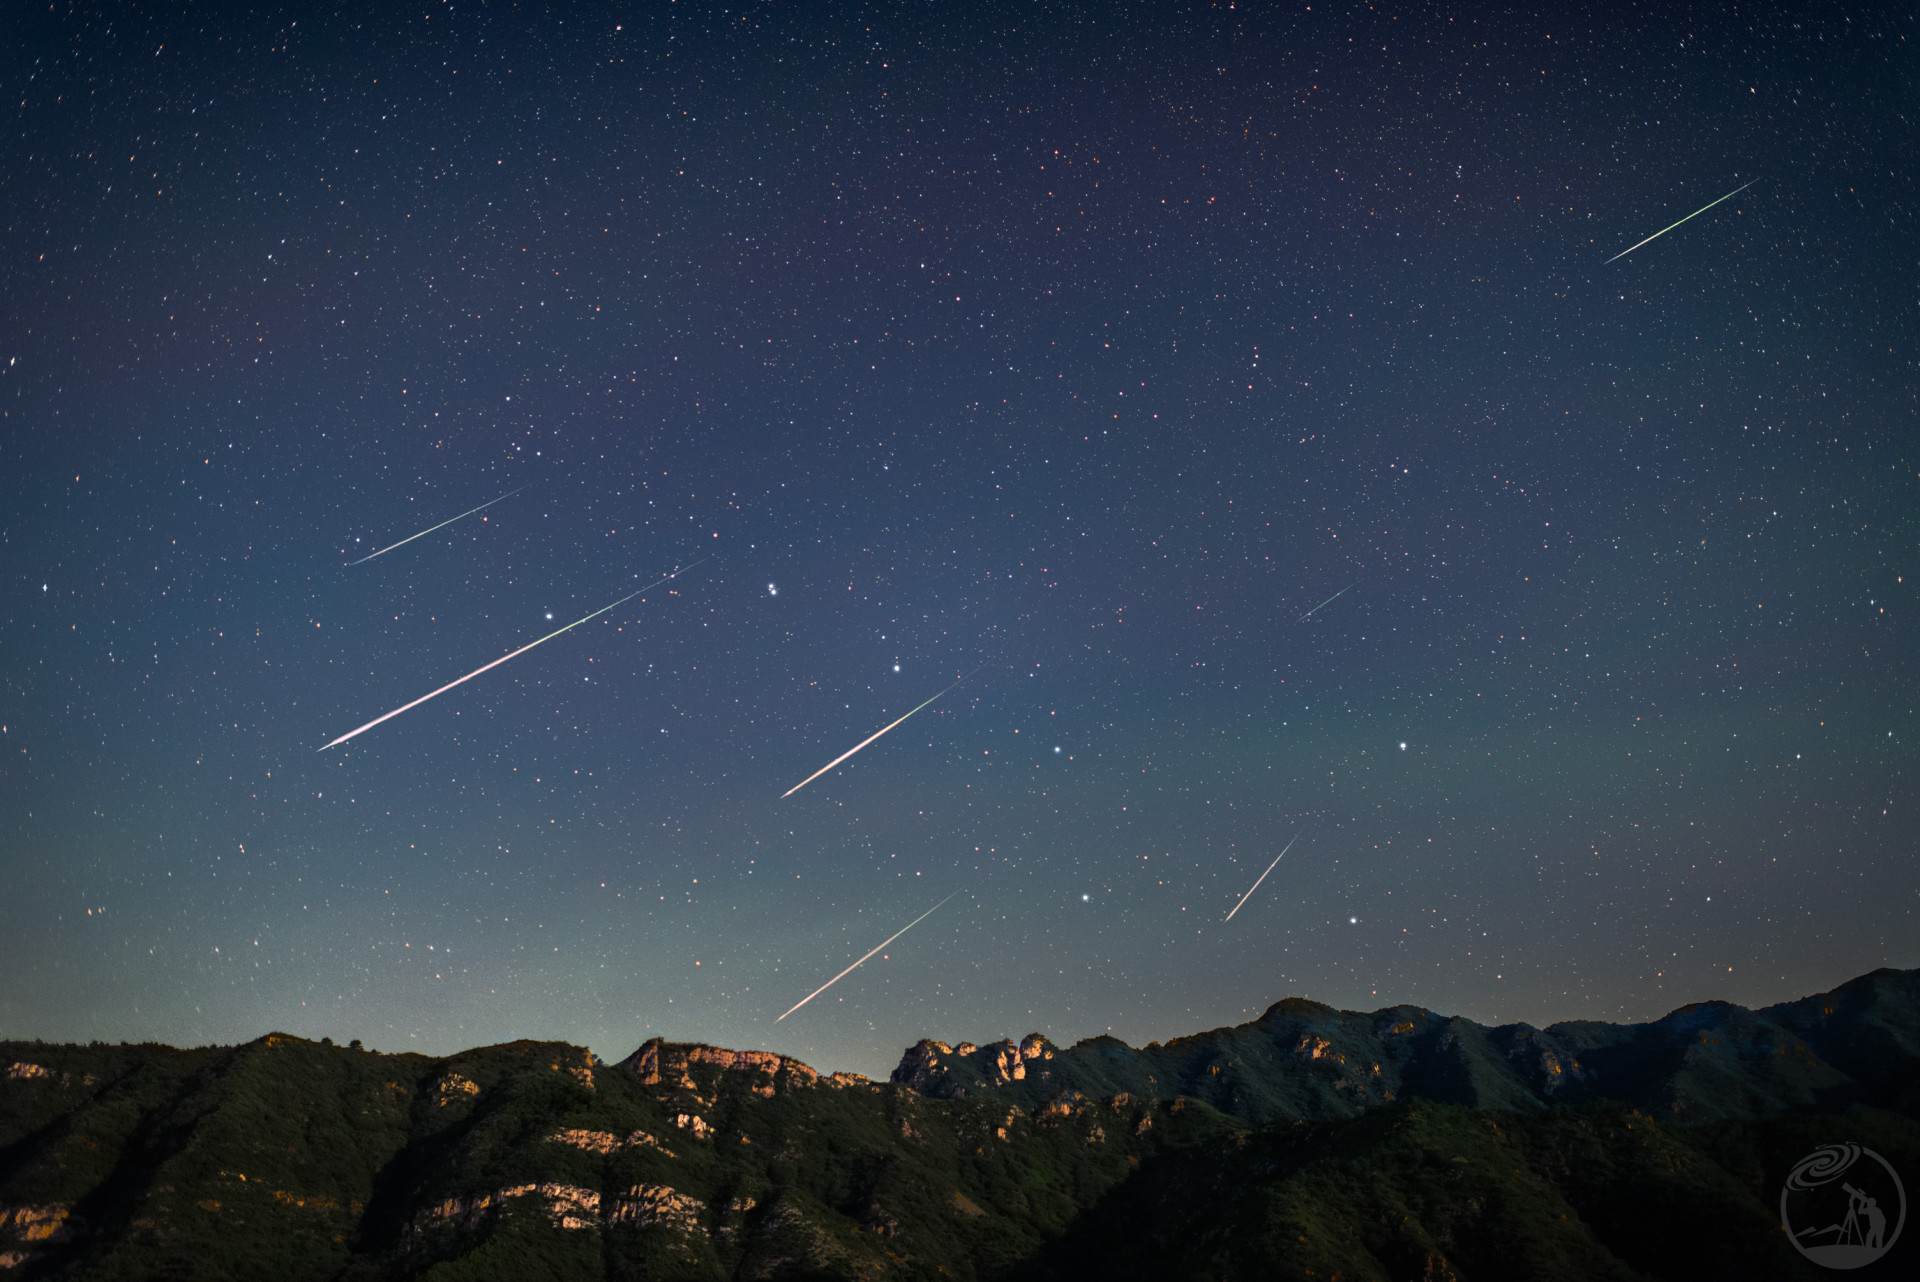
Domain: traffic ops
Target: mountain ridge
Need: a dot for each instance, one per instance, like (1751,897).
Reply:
(1302,1058)
(1306,1143)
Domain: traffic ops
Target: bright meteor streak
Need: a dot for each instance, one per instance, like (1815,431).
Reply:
(1329,601)
(1695,214)
(883,943)
(1263,876)
(449,521)
(850,751)
(503,658)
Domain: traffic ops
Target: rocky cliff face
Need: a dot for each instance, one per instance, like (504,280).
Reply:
(943,1071)
(1857,1044)
(672,1063)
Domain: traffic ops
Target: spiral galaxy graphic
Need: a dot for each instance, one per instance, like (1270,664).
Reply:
(1823,1166)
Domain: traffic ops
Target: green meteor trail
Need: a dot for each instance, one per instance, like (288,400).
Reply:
(1329,601)
(449,521)
(1695,214)
(503,658)
(890,938)
(848,753)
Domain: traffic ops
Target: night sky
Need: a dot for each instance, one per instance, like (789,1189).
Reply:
(1078,353)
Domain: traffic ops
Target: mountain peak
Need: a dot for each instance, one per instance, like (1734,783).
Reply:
(1304,1059)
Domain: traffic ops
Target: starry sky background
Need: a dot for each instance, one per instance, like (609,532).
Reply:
(1080,352)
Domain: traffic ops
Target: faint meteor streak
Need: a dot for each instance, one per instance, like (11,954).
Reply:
(883,943)
(855,748)
(449,521)
(1263,876)
(1695,214)
(503,658)
(1329,601)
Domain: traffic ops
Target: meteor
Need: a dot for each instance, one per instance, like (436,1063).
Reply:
(1263,876)
(883,943)
(855,748)
(1329,601)
(449,521)
(503,658)
(1695,214)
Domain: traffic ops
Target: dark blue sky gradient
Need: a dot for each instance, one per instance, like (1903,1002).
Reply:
(1081,351)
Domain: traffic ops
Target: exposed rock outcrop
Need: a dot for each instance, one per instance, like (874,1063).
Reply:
(673,1063)
(607,1143)
(36,1223)
(646,1205)
(568,1206)
(453,1088)
(935,1068)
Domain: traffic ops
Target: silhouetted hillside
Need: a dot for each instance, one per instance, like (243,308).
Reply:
(1309,1143)
(1859,1044)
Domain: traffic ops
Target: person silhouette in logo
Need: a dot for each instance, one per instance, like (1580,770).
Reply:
(1876,1220)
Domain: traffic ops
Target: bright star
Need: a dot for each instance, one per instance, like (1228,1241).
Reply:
(1403,745)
